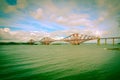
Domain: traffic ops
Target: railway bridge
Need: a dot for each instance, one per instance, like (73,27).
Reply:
(75,39)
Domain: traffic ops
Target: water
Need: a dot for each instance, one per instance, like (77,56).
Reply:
(59,62)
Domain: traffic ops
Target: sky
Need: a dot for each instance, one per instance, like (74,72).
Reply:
(22,20)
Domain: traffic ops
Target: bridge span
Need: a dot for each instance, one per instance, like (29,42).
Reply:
(75,39)
(112,38)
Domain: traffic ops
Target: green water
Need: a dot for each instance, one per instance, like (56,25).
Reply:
(59,62)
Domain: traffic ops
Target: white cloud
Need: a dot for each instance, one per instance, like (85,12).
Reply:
(38,14)
(65,33)
(73,20)
(7,35)
(66,14)
(21,4)
(21,36)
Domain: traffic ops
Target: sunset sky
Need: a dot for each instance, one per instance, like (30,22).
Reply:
(21,20)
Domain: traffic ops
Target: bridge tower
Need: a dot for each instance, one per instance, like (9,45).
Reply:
(76,38)
(31,42)
(46,40)
(73,39)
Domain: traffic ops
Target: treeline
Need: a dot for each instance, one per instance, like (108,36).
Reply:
(27,43)
(14,43)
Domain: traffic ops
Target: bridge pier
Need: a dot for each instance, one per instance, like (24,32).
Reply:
(46,43)
(98,41)
(105,41)
(113,41)
(112,38)
(75,43)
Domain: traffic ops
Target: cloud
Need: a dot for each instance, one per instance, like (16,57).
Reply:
(4,33)
(7,35)
(110,6)
(10,9)
(65,16)
(22,4)
(61,17)
(65,33)
(38,14)
(11,6)
(74,20)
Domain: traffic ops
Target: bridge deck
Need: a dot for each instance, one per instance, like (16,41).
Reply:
(111,38)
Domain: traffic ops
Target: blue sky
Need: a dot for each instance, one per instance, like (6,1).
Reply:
(38,18)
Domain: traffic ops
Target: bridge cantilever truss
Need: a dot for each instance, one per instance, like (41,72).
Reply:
(74,39)
(46,40)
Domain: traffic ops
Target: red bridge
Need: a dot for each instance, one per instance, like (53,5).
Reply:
(74,39)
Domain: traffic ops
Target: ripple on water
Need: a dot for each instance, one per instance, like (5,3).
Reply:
(83,62)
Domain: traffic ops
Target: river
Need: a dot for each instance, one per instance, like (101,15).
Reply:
(59,62)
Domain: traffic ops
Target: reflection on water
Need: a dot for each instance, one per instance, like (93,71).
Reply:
(59,62)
